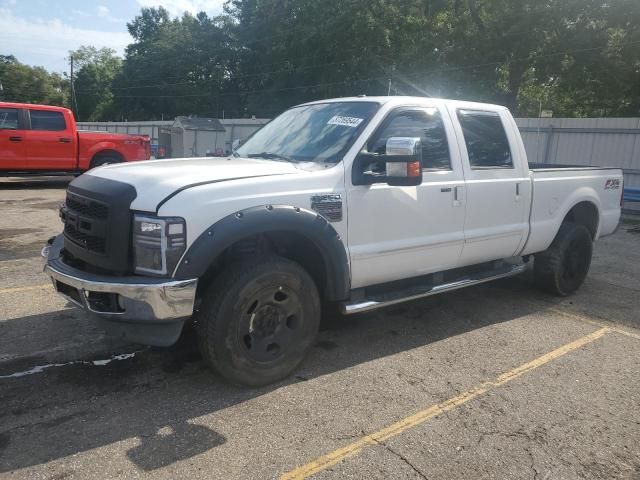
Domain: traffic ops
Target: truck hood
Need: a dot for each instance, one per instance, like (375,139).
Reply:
(156,180)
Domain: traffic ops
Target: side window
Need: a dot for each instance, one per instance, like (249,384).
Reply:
(426,124)
(45,120)
(486,140)
(8,118)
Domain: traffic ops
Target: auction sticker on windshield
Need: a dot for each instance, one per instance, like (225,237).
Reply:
(345,121)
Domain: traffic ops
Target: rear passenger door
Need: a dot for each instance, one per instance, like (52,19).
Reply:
(12,139)
(496,182)
(51,143)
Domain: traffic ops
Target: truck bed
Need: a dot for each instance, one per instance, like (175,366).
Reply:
(557,188)
(550,167)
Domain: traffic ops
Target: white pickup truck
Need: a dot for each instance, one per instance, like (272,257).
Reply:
(362,202)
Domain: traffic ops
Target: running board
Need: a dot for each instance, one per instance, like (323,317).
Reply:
(475,279)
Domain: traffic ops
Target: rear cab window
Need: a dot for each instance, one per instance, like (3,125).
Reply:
(486,139)
(423,123)
(8,119)
(47,120)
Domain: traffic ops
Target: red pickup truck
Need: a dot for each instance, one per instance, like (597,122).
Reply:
(44,139)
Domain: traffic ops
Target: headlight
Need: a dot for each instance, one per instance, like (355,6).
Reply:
(158,243)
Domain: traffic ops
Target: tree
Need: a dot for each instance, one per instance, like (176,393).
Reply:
(600,73)
(293,51)
(26,84)
(96,71)
(174,67)
(575,57)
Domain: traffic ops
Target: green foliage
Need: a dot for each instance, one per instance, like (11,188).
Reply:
(175,67)
(575,57)
(96,71)
(22,83)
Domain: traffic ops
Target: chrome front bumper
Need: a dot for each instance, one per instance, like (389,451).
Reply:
(141,301)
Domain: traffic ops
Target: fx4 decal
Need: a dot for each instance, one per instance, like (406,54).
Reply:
(612,184)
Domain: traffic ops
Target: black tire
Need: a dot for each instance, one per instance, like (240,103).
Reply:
(104,159)
(258,320)
(563,267)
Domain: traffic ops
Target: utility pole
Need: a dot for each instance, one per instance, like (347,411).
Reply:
(71,79)
(74,102)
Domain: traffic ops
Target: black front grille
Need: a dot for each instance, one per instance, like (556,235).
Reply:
(90,242)
(85,222)
(97,224)
(86,206)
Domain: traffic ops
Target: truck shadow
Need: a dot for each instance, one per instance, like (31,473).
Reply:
(170,445)
(159,396)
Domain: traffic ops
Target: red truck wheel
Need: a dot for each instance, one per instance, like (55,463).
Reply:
(105,159)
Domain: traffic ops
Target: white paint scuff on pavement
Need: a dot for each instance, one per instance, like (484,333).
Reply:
(96,363)
(122,356)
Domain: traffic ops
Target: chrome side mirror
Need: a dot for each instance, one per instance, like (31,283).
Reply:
(403,165)
(400,165)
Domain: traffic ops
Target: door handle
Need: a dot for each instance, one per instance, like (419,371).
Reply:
(517,192)
(64,140)
(15,139)
(445,189)
(456,196)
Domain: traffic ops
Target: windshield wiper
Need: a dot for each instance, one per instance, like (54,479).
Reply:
(271,156)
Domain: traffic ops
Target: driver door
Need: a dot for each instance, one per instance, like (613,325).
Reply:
(401,232)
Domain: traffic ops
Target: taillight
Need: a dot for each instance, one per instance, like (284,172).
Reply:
(145,143)
(622,193)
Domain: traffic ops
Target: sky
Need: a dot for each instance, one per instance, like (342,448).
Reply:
(41,32)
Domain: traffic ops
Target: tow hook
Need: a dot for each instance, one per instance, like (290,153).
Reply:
(44,253)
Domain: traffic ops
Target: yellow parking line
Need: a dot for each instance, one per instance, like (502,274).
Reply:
(25,289)
(591,321)
(330,459)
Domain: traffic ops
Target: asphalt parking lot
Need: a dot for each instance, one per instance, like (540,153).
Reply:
(495,381)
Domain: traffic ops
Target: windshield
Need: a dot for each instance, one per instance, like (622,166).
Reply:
(310,133)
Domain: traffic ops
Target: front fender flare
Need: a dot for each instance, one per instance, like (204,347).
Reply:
(269,218)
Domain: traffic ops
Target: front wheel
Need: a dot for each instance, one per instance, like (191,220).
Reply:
(258,320)
(563,267)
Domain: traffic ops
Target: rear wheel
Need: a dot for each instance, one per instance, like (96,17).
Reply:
(563,267)
(258,320)
(104,159)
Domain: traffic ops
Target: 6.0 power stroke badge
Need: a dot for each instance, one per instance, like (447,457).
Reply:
(329,206)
